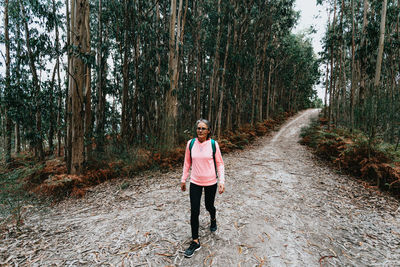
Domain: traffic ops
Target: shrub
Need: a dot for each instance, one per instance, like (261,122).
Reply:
(369,159)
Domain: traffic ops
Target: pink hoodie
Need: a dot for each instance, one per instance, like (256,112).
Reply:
(203,170)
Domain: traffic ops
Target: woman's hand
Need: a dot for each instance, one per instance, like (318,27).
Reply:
(221,188)
(183,186)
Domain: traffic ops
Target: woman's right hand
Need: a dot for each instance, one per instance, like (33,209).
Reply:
(183,186)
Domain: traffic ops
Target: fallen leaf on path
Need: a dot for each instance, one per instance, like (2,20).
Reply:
(334,253)
(269,237)
(260,237)
(260,260)
(309,252)
(325,257)
(164,254)
(312,244)
(209,256)
(396,233)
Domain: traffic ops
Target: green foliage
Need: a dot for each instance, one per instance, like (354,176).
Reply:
(311,134)
(317,102)
(14,196)
(356,153)
(124,185)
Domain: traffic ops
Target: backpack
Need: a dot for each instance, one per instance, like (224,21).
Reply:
(213,149)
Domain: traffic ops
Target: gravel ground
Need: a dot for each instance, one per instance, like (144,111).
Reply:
(282,207)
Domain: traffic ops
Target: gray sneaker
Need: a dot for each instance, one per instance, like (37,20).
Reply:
(192,249)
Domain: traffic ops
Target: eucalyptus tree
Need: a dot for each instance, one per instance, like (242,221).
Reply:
(361,50)
(78,88)
(7,88)
(155,67)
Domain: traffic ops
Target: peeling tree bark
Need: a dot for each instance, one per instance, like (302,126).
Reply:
(175,42)
(77,87)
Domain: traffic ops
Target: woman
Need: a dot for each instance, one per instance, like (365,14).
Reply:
(200,156)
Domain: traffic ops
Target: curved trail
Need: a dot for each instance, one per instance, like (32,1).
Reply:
(282,207)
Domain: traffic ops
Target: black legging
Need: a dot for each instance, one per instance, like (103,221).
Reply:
(195,196)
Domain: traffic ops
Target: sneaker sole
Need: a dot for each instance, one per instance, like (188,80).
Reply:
(189,256)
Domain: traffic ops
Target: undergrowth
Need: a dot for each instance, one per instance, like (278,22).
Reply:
(372,160)
(15,197)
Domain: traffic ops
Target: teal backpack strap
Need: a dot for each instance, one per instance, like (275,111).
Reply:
(190,147)
(214,149)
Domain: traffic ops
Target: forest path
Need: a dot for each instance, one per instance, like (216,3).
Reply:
(282,207)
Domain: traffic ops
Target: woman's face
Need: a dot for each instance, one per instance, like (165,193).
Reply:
(202,131)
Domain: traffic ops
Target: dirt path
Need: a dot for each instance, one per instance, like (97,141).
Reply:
(281,208)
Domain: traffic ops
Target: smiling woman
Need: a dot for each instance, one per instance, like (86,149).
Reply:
(204,155)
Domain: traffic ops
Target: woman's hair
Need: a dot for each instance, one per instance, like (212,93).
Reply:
(206,122)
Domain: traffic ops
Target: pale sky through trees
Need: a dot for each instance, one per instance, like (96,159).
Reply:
(317,17)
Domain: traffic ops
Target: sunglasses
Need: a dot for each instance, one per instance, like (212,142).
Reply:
(201,129)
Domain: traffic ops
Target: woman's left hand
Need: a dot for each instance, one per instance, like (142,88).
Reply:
(221,188)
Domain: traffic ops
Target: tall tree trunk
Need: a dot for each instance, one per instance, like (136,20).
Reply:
(175,41)
(363,59)
(215,69)
(198,66)
(88,92)
(51,110)
(59,108)
(331,81)
(7,87)
(234,119)
(18,88)
(353,67)
(221,97)
(38,118)
(326,89)
(125,78)
(136,92)
(327,76)
(341,96)
(171,100)
(17,138)
(268,107)
(254,82)
(157,101)
(381,44)
(68,103)
(261,85)
(100,108)
(79,71)
(59,99)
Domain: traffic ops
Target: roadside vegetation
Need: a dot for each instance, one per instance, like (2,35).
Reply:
(374,161)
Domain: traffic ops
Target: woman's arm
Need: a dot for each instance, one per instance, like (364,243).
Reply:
(186,164)
(220,164)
